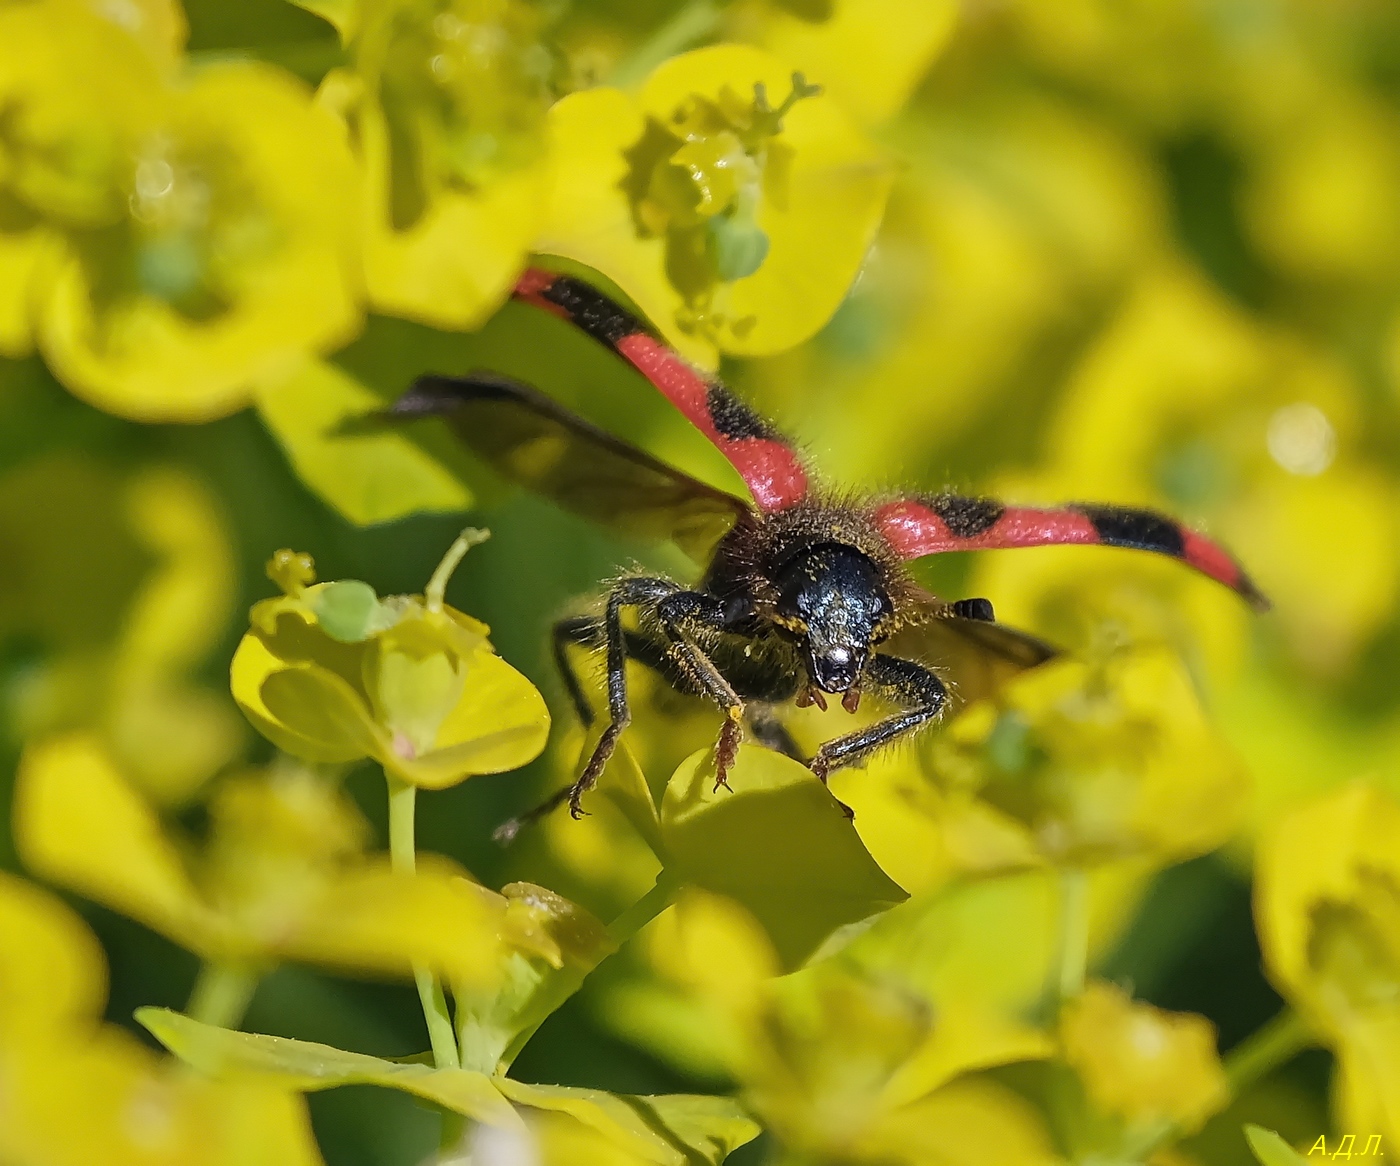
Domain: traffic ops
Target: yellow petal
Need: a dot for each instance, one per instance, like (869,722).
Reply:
(823,192)
(779,845)
(21,256)
(372,919)
(137,1111)
(968,1123)
(499,723)
(368,477)
(80,824)
(51,964)
(309,711)
(820,213)
(587,219)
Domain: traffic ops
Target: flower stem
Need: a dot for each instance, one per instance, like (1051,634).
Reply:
(222,993)
(437,585)
(644,910)
(402,798)
(1274,1044)
(1074,933)
(692,24)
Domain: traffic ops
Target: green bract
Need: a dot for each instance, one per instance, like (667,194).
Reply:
(414,685)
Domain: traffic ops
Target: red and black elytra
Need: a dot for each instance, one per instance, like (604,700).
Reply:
(804,592)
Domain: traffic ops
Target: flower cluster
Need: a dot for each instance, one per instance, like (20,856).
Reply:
(1144,253)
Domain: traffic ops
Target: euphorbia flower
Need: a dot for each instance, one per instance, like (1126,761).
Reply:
(1327,907)
(198,237)
(283,876)
(1076,762)
(331,673)
(731,200)
(1142,1065)
(75,1092)
(445,103)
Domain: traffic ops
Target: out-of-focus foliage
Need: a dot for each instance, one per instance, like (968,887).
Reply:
(1135,252)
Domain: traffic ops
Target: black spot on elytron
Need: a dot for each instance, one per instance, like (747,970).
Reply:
(592,311)
(732,417)
(980,609)
(966,517)
(1144,530)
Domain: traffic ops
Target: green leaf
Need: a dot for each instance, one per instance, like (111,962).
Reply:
(670,1131)
(304,1066)
(1270,1149)
(779,844)
(712,1127)
(667,1131)
(369,473)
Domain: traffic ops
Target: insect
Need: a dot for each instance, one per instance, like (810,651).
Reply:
(804,594)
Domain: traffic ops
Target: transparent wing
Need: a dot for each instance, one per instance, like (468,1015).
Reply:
(974,657)
(535,442)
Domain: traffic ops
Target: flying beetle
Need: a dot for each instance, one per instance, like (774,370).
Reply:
(804,593)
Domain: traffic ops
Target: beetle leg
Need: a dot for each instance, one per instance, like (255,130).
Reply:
(905,683)
(681,616)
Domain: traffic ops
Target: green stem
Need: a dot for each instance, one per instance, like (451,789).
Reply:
(1074,933)
(644,910)
(221,994)
(1265,1049)
(402,798)
(692,24)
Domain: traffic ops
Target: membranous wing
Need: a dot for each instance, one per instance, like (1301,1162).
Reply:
(535,442)
(975,658)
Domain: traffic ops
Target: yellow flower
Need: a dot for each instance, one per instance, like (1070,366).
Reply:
(63,151)
(857,1058)
(116,653)
(1140,1063)
(1078,762)
(733,203)
(200,234)
(1328,914)
(231,255)
(74,1091)
(445,103)
(283,876)
(331,673)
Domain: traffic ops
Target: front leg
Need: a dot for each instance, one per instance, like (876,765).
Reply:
(635,592)
(905,683)
(681,616)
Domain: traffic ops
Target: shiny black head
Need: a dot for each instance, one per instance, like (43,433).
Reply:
(833,597)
